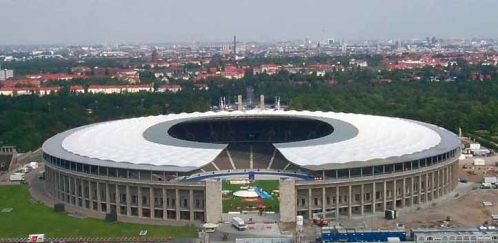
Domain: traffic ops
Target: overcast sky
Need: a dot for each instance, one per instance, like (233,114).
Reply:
(149,21)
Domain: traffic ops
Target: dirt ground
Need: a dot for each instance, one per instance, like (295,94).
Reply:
(476,174)
(466,211)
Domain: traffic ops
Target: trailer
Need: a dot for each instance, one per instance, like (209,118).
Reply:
(17,177)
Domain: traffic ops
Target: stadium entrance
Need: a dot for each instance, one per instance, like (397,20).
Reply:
(255,201)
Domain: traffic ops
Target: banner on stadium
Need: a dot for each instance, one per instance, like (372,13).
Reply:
(239,182)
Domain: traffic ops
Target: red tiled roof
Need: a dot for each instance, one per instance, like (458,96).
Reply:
(13,82)
(119,86)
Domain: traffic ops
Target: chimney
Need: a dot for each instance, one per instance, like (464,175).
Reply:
(234,45)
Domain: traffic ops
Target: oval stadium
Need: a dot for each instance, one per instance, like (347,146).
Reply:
(198,167)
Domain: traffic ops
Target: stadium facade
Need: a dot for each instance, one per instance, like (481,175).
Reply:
(168,167)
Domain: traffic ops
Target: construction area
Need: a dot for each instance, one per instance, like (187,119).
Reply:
(466,206)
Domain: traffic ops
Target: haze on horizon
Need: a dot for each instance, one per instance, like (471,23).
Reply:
(161,21)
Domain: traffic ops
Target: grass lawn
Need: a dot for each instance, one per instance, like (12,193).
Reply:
(267,186)
(35,218)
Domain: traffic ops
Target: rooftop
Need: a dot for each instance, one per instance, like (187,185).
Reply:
(357,139)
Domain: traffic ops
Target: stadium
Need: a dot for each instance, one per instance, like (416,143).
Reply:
(172,167)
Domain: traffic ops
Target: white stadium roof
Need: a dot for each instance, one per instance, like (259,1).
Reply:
(131,141)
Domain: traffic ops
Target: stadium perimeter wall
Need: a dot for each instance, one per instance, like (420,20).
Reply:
(195,202)
(357,197)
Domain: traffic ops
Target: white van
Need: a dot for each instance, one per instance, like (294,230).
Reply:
(239,223)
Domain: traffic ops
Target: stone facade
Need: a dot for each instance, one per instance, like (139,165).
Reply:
(354,197)
(176,201)
(202,201)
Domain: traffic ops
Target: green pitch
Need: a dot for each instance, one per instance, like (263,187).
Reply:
(230,202)
(35,218)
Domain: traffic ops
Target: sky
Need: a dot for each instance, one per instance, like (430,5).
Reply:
(166,21)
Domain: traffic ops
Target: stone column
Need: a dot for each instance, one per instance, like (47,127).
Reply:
(65,185)
(426,187)
(384,195)
(310,213)
(62,187)
(54,181)
(76,192)
(362,199)
(440,182)
(455,174)
(99,198)
(71,189)
(433,185)
(443,182)
(337,202)
(191,204)
(395,194)
(128,201)
(324,201)
(108,198)
(140,204)
(419,191)
(436,184)
(165,206)
(90,194)
(374,194)
(214,209)
(152,202)
(177,203)
(350,201)
(403,192)
(59,185)
(118,200)
(412,191)
(447,179)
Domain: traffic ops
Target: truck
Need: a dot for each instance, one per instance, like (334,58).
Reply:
(17,177)
(239,223)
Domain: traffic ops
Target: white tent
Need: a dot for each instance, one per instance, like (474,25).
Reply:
(246,193)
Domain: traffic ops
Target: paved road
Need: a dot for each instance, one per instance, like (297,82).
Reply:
(256,230)
(32,156)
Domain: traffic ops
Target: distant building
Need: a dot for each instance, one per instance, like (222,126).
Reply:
(6,74)
(117,89)
(56,77)
(170,88)
(155,56)
(360,63)
(23,82)
(471,235)
(8,156)
(29,90)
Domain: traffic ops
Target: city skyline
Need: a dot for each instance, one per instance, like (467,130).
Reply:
(112,21)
